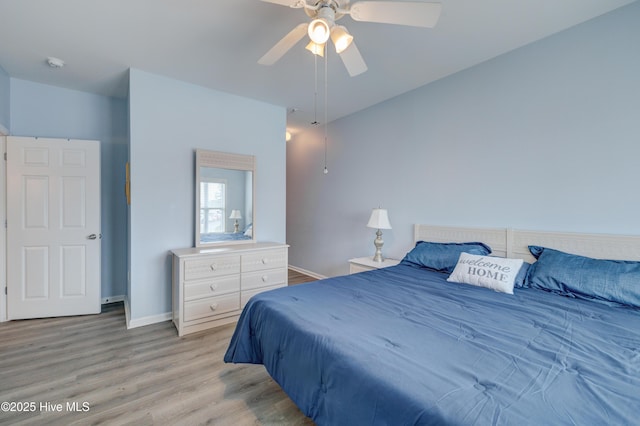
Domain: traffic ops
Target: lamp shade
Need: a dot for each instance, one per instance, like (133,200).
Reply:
(379,219)
(316,49)
(341,38)
(318,31)
(235,214)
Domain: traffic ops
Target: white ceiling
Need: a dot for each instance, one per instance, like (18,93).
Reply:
(216,44)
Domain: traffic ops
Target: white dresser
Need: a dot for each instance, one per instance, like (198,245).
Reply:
(211,285)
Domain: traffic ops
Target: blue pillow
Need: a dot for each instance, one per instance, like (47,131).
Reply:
(521,278)
(608,281)
(441,257)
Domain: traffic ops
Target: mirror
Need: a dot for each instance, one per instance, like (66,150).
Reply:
(225,198)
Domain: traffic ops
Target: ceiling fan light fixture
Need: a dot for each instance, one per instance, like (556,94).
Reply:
(315,48)
(319,31)
(341,38)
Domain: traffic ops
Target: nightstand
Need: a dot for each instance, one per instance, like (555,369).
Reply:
(362,264)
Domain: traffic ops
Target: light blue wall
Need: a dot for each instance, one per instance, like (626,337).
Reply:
(48,111)
(169,119)
(546,137)
(5,92)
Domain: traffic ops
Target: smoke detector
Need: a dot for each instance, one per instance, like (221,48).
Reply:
(55,62)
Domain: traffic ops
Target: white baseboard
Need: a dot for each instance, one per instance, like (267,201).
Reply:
(112,299)
(153,319)
(305,272)
(141,322)
(3,130)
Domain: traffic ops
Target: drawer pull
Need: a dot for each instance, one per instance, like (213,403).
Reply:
(213,306)
(265,278)
(213,287)
(265,260)
(213,267)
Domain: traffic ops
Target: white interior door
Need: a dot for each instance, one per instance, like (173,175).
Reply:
(53,227)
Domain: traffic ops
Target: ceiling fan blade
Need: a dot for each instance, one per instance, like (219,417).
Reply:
(353,61)
(397,12)
(291,3)
(283,46)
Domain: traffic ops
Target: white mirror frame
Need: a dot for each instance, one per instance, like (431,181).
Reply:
(229,161)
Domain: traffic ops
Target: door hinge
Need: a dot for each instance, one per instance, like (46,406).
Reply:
(5,156)
(5,291)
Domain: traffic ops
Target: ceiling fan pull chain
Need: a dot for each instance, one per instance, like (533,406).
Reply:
(326,103)
(315,91)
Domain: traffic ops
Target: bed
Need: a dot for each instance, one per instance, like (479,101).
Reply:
(403,346)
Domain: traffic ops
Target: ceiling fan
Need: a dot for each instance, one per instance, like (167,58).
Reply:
(324,14)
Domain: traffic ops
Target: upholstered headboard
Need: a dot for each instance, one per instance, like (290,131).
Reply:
(514,243)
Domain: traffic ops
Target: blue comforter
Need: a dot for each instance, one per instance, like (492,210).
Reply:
(401,346)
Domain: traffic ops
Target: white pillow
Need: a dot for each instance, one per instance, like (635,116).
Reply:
(496,273)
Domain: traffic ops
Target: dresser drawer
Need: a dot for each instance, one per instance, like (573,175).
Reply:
(212,287)
(211,267)
(266,278)
(211,306)
(246,295)
(267,259)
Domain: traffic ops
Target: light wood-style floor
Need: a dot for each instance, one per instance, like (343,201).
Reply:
(296,277)
(142,376)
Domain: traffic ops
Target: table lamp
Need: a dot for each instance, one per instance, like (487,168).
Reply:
(235,214)
(379,220)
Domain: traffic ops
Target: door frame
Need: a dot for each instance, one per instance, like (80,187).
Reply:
(3,222)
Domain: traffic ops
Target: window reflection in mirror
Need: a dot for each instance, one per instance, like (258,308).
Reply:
(213,203)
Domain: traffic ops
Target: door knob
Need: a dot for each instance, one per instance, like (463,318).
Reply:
(92,237)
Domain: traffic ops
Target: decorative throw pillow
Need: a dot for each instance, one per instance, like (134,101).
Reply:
(441,257)
(607,281)
(521,278)
(496,273)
